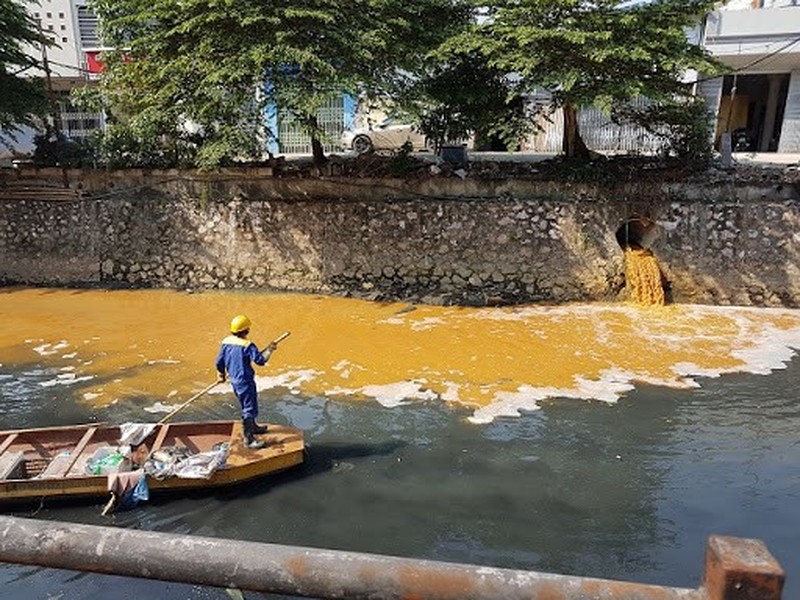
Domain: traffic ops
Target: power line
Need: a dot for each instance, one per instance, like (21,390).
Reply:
(73,67)
(65,65)
(772,54)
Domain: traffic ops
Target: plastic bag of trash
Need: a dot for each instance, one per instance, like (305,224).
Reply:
(105,460)
(179,462)
(135,433)
(203,464)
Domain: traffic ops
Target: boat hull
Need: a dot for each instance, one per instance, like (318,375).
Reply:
(51,462)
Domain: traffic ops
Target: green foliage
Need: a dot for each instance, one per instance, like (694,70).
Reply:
(461,95)
(592,52)
(402,161)
(124,146)
(684,126)
(52,151)
(218,65)
(142,140)
(22,97)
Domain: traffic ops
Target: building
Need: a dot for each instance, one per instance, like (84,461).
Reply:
(758,101)
(70,62)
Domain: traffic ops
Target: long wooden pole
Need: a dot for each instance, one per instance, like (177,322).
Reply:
(188,402)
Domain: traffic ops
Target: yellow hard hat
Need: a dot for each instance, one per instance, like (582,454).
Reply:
(239,323)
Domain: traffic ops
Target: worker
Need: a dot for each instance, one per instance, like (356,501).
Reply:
(235,359)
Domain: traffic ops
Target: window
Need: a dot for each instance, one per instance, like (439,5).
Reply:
(49,15)
(64,40)
(87,27)
(60,15)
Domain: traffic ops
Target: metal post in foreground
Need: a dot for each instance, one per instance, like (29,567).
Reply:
(738,569)
(334,574)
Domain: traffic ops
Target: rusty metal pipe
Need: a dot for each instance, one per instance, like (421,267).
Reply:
(292,570)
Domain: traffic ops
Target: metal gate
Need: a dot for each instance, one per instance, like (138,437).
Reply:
(598,131)
(330,117)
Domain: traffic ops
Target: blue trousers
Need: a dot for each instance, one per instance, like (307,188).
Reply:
(248,398)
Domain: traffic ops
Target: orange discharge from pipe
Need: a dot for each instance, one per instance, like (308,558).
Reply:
(643,277)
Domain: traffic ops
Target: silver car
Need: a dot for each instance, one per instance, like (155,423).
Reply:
(386,135)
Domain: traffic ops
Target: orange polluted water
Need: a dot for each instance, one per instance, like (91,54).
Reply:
(158,346)
(643,277)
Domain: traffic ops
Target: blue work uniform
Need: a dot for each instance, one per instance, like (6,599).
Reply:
(236,357)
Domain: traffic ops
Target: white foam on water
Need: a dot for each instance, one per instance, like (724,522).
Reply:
(609,388)
(345,368)
(450,393)
(67,369)
(65,379)
(389,395)
(91,395)
(163,361)
(393,321)
(689,370)
(70,355)
(160,407)
(761,348)
(289,379)
(395,394)
(47,348)
(771,350)
(509,404)
(426,323)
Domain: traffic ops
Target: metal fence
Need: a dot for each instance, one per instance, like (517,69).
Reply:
(598,131)
(735,568)
(292,139)
(79,125)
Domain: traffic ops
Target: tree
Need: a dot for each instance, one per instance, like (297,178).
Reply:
(589,52)
(22,97)
(218,65)
(459,95)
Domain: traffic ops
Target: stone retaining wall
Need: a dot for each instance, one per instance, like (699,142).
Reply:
(442,240)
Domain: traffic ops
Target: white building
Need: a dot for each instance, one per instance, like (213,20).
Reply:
(71,61)
(759,99)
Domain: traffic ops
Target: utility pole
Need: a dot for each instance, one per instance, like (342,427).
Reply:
(55,113)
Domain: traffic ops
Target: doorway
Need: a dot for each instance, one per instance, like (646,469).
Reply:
(752,109)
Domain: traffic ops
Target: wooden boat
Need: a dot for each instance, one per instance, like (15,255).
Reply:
(51,461)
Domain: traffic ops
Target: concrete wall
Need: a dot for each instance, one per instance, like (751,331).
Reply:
(433,240)
(790,130)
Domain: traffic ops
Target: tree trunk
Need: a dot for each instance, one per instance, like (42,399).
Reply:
(317,150)
(573,145)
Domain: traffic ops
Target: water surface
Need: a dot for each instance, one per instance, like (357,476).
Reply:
(627,489)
